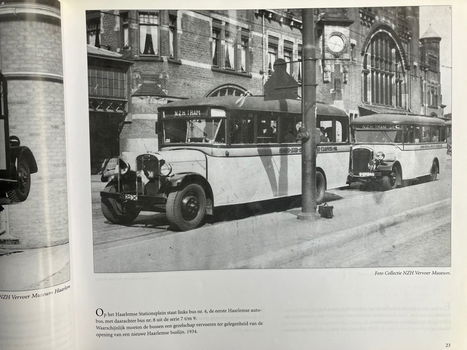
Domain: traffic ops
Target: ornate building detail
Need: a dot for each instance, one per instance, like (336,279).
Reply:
(367,16)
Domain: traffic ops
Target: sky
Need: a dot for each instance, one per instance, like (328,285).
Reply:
(441,21)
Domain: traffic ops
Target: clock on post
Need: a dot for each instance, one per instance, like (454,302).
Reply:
(334,25)
(335,33)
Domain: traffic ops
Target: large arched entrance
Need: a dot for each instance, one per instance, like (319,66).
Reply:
(384,76)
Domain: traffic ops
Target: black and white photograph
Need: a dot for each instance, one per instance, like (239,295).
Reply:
(34,249)
(269,138)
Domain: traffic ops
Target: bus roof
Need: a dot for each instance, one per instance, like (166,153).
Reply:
(255,103)
(397,119)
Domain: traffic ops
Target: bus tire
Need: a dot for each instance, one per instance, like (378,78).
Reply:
(23,174)
(320,187)
(115,211)
(186,208)
(391,181)
(434,171)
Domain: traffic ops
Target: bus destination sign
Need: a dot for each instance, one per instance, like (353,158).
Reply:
(185,113)
(378,126)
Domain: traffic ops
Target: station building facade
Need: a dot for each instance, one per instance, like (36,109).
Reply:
(369,59)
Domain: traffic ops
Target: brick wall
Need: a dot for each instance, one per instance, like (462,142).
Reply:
(111,30)
(37,118)
(30,46)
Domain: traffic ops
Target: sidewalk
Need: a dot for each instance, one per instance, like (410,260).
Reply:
(373,212)
(27,269)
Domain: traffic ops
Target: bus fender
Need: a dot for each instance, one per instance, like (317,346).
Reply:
(24,153)
(386,167)
(179,180)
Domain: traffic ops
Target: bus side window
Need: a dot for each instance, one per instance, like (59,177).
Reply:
(326,131)
(241,131)
(333,130)
(426,134)
(287,130)
(220,137)
(409,134)
(398,137)
(341,132)
(434,134)
(418,134)
(442,136)
(344,126)
(266,131)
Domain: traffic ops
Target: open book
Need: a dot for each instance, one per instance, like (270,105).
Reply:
(189,176)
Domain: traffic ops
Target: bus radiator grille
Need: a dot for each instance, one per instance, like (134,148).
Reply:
(360,159)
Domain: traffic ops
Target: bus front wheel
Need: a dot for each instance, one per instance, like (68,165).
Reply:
(186,208)
(115,211)
(434,171)
(391,181)
(21,191)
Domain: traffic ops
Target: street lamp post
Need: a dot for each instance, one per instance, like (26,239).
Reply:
(309,141)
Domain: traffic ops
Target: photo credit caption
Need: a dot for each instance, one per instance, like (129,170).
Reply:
(411,272)
(110,324)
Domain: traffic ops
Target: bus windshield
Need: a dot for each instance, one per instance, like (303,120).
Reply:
(199,130)
(378,136)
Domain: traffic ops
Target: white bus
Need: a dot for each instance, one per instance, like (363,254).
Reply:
(391,148)
(220,151)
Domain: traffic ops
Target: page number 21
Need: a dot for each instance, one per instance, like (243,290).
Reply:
(447,345)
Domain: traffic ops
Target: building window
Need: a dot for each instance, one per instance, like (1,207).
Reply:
(107,82)
(298,64)
(273,48)
(125,30)
(433,97)
(229,54)
(216,40)
(230,48)
(94,32)
(227,90)
(383,72)
(422,92)
(243,55)
(173,36)
(149,33)
(433,63)
(288,56)
(244,51)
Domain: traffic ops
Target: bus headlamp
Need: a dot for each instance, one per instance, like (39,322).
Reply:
(379,156)
(123,167)
(165,168)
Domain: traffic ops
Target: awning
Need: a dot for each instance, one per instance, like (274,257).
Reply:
(150,89)
(370,109)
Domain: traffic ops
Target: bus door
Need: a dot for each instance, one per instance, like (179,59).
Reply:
(4,134)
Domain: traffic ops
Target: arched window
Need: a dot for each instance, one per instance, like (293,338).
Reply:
(383,72)
(227,90)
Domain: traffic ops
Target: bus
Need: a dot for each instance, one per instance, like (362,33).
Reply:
(17,162)
(389,149)
(220,151)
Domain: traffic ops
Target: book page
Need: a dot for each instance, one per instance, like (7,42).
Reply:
(186,144)
(35,287)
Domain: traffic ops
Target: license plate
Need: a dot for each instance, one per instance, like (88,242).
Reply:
(366,174)
(130,197)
